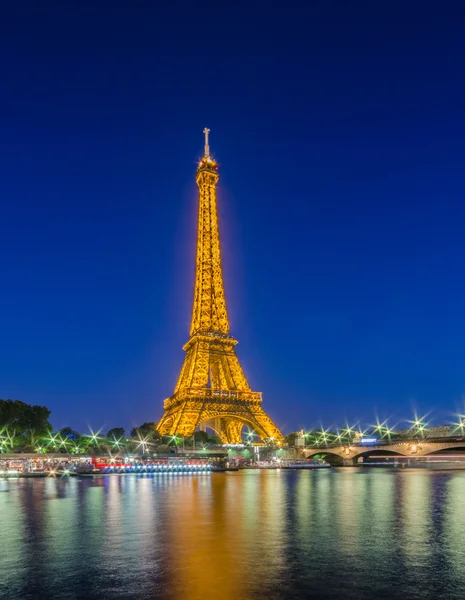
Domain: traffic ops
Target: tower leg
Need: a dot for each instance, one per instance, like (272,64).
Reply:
(234,430)
(266,425)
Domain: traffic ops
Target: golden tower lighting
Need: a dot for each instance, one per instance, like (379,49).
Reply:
(212,389)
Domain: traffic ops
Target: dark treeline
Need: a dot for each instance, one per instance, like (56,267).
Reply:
(26,428)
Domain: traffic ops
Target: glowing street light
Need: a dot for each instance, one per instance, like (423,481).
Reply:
(339,436)
(94,437)
(460,424)
(388,432)
(52,440)
(63,442)
(348,431)
(362,433)
(419,425)
(379,427)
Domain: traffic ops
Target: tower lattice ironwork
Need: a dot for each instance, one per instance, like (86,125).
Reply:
(212,389)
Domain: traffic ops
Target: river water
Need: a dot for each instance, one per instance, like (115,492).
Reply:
(328,534)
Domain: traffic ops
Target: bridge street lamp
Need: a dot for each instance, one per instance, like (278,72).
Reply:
(349,432)
(388,432)
(383,430)
(338,436)
(379,428)
(420,427)
(324,437)
(461,424)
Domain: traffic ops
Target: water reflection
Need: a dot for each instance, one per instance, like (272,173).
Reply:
(352,533)
(12,535)
(416,532)
(204,537)
(454,529)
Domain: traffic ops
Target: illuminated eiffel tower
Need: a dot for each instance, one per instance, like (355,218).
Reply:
(212,390)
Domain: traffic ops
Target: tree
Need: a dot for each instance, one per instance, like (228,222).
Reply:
(72,434)
(117,433)
(290,439)
(22,422)
(214,439)
(201,437)
(146,431)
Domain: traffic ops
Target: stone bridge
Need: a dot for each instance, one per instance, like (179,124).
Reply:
(350,453)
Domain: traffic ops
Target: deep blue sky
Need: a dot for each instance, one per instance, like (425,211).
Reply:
(339,130)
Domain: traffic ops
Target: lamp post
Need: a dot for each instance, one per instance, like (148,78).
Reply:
(420,427)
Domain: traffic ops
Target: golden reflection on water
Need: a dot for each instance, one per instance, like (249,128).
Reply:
(203,528)
(303,507)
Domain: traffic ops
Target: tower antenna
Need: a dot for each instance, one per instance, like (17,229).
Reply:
(207,147)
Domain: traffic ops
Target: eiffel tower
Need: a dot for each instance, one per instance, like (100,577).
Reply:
(212,390)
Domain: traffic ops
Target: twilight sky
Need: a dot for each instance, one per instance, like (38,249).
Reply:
(339,129)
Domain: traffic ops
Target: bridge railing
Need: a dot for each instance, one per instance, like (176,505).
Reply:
(358,444)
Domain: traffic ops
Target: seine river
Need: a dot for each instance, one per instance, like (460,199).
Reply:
(328,534)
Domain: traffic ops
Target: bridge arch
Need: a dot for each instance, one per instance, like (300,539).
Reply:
(333,458)
(446,449)
(378,452)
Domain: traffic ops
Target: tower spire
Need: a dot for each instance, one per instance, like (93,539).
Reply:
(207,147)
